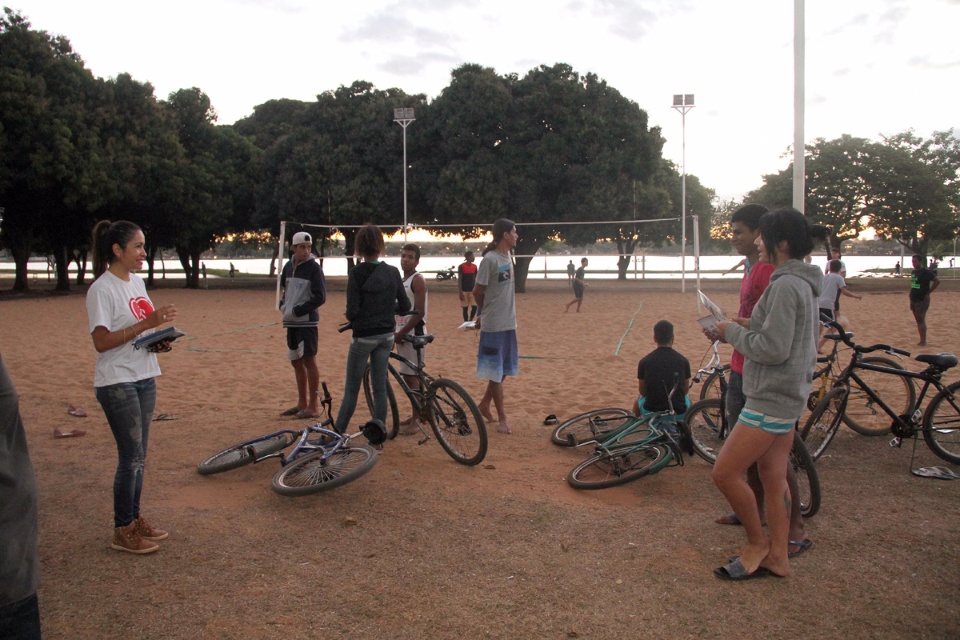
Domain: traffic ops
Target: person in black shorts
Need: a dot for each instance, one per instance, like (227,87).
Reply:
(922,283)
(304,290)
(578,285)
(467,275)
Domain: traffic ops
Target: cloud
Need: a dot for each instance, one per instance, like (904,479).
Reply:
(628,19)
(388,26)
(415,65)
(924,63)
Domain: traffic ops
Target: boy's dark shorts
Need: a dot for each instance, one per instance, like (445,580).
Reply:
(302,342)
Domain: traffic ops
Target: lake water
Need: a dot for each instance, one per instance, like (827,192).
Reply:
(601,266)
(554,266)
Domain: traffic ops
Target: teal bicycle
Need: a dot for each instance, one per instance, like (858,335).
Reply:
(637,447)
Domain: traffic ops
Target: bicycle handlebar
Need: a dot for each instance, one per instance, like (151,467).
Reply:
(861,349)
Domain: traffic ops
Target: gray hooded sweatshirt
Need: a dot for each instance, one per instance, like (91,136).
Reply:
(780,346)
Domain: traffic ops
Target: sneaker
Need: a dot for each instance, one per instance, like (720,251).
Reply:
(128,539)
(149,532)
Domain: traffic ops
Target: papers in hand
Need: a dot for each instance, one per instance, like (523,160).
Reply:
(712,307)
(709,323)
(166,335)
(467,326)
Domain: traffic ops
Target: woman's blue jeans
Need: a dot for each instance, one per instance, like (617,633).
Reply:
(129,410)
(377,349)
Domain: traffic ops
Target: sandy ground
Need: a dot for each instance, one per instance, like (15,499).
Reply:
(422,547)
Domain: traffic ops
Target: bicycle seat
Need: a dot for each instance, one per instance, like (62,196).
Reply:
(942,361)
(418,342)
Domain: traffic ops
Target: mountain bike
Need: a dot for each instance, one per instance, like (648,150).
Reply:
(860,413)
(321,460)
(939,422)
(452,414)
(709,428)
(640,446)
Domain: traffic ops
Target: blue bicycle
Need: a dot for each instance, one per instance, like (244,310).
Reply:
(322,459)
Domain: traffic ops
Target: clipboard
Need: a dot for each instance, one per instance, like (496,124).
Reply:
(152,340)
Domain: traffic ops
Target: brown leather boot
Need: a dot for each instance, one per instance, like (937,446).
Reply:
(149,532)
(128,539)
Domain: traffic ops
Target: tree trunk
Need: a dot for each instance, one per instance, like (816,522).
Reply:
(21,257)
(521,268)
(62,261)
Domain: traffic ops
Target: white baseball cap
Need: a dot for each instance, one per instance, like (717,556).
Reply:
(300,237)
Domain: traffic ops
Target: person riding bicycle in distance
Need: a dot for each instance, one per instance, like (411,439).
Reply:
(658,372)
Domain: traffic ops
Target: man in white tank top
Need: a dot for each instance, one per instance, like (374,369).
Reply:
(416,287)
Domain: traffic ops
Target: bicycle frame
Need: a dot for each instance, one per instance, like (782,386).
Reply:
(931,376)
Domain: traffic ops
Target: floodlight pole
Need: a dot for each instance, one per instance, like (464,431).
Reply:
(403,117)
(683,103)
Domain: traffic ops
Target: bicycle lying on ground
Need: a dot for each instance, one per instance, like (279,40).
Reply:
(709,428)
(452,414)
(321,460)
(626,447)
(939,423)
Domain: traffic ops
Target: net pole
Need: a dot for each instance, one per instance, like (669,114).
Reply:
(283,231)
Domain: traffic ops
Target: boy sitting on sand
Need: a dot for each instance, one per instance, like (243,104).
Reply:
(658,371)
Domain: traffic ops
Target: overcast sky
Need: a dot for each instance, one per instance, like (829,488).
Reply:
(872,66)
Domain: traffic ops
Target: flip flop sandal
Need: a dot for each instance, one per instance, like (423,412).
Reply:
(729,518)
(736,571)
(803,545)
(551,420)
(292,411)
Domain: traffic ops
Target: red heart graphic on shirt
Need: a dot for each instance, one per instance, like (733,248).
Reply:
(140,307)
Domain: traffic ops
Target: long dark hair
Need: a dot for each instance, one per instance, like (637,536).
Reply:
(790,225)
(500,227)
(105,235)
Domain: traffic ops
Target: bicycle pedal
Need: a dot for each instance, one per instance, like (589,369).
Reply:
(896,442)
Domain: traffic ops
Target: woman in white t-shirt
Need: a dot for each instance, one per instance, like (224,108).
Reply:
(119,310)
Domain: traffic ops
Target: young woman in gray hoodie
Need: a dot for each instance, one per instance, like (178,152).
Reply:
(779,342)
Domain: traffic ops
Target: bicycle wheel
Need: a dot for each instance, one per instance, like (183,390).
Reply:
(602,470)
(243,454)
(589,425)
(457,422)
(705,419)
(865,416)
(941,424)
(823,423)
(392,423)
(808,482)
(711,386)
(313,473)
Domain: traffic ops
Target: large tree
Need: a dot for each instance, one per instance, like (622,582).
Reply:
(52,174)
(901,187)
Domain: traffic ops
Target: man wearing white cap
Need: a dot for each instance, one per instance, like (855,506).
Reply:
(304,290)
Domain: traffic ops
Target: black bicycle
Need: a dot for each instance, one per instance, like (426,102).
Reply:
(939,423)
(452,414)
(709,428)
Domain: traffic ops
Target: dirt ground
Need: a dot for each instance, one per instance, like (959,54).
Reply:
(422,547)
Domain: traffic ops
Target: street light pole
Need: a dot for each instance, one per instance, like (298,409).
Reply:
(403,117)
(683,103)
